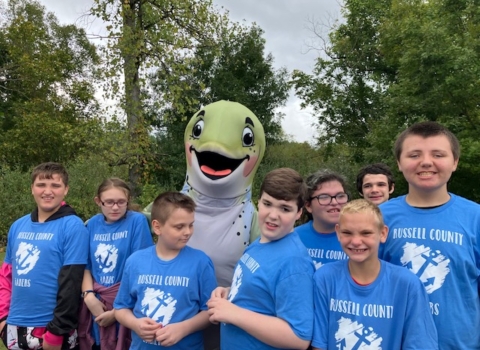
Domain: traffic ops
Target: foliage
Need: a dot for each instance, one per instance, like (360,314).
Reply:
(46,86)
(144,34)
(236,68)
(392,63)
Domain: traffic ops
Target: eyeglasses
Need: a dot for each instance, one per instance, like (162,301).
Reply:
(110,203)
(326,199)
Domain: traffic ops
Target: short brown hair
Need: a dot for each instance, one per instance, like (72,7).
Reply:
(285,184)
(374,169)
(320,177)
(167,202)
(363,206)
(427,129)
(47,170)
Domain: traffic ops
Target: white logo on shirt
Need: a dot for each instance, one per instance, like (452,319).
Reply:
(318,264)
(236,282)
(26,257)
(106,256)
(353,336)
(429,265)
(158,305)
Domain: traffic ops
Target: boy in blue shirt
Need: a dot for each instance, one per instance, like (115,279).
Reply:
(165,288)
(270,302)
(436,234)
(41,277)
(364,301)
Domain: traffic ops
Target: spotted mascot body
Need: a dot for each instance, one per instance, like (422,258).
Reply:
(224,145)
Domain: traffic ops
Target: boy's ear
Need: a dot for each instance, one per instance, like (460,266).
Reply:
(392,189)
(157,227)
(299,214)
(308,206)
(361,194)
(384,234)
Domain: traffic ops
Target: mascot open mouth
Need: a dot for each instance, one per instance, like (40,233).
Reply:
(215,166)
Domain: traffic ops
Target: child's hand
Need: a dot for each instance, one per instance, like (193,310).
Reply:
(146,328)
(171,334)
(95,306)
(220,292)
(105,319)
(220,310)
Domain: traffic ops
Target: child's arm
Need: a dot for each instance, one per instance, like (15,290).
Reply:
(145,327)
(271,330)
(95,306)
(5,292)
(174,332)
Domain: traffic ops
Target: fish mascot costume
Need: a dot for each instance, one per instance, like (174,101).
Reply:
(224,145)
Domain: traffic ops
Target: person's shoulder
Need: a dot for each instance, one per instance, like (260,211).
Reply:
(392,203)
(304,228)
(400,273)
(465,203)
(136,216)
(332,268)
(95,219)
(141,254)
(194,254)
(22,219)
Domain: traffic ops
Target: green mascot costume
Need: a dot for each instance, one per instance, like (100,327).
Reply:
(224,145)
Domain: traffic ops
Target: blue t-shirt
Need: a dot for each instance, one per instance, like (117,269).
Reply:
(273,279)
(442,247)
(37,251)
(322,247)
(390,313)
(167,291)
(112,243)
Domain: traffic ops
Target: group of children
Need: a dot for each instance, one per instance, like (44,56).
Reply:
(339,281)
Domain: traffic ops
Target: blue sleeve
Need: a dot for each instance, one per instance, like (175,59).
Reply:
(142,237)
(419,331)
(208,282)
(76,245)
(320,323)
(294,297)
(124,298)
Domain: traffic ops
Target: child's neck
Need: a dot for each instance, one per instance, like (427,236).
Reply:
(165,253)
(421,199)
(364,273)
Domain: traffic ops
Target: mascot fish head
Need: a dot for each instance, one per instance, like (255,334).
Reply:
(224,145)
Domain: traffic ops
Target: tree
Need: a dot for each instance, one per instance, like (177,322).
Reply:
(392,63)
(237,69)
(46,86)
(144,34)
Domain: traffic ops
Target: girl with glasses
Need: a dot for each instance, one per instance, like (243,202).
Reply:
(115,234)
(327,194)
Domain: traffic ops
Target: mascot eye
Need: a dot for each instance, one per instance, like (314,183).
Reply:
(198,128)
(247,137)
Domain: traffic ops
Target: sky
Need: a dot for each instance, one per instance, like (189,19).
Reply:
(288,33)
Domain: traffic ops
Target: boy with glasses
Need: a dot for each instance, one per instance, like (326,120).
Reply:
(326,196)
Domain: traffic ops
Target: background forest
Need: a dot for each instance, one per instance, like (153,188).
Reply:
(386,65)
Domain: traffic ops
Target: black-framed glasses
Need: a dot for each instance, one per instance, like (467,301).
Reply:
(326,199)
(110,203)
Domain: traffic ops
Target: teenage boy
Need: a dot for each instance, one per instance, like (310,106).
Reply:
(270,302)
(165,288)
(41,277)
(436,234)
(375,182)
(364,302)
